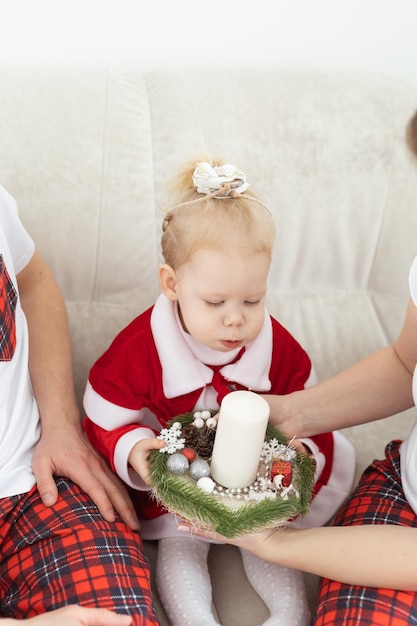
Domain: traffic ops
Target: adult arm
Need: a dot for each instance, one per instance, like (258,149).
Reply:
(376,387)
(374,555)
(63,448)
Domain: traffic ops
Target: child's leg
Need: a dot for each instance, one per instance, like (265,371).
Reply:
(68,554)
(183,581)
(282,589)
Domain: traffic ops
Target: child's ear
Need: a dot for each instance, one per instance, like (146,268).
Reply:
(168,281)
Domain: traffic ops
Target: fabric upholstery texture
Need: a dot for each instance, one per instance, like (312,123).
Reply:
(87,153)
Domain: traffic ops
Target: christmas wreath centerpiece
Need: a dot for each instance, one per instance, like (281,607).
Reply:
(231,471)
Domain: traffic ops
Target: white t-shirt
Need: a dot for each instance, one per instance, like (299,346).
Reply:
(408,450)
(19,417)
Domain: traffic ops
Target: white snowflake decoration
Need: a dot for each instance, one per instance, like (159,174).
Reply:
(172,438)
(273,449)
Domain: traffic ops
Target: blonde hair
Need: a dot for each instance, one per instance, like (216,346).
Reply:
(200,222)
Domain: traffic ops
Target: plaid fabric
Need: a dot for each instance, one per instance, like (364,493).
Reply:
(378,499)
(8,300)
(68,554)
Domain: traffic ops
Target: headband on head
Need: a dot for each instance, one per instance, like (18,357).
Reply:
(216,181)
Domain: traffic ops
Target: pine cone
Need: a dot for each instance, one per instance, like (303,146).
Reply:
(205,442)
(190,434)
(199,439)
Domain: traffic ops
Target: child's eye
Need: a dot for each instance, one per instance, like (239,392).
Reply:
(217,303)
(252,302)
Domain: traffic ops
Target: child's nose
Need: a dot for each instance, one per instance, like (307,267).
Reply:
(234,318)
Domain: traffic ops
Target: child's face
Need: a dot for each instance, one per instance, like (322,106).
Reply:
(221,297)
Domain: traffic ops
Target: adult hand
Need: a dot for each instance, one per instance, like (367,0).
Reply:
(66,451)
(259,542)
(74,615)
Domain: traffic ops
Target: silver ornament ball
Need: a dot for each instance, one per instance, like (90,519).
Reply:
(177,464)
(199,468)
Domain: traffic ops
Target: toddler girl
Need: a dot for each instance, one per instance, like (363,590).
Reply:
(208,333)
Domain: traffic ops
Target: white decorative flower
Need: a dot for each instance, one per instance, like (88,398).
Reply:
(209,178)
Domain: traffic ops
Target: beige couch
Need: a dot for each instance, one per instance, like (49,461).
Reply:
(87,153)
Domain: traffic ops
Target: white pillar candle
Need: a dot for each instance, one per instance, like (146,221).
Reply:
(240,433)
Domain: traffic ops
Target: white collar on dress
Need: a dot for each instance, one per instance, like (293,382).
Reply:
(183,369)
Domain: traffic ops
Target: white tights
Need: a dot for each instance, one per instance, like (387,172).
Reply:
(281,588)
(183,581)
(184,587)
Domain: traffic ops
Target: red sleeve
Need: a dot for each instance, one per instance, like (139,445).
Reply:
(105,441)
(291,365)
(127,371)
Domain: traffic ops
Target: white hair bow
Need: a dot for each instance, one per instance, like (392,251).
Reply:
(226,178)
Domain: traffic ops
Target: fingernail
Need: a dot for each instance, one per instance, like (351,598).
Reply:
(48,499)
(110,516)
(183,528)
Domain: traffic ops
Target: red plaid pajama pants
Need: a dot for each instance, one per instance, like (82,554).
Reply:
(378,499)
(67,554)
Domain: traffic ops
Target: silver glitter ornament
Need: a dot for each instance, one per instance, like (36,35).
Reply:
(199,468)
(177,464)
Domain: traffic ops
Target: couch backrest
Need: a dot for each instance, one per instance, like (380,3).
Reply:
(87,154)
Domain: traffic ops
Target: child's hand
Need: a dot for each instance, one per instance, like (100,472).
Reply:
(139,456)
(300,447)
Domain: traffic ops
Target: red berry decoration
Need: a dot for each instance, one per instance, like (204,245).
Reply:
(189,453)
